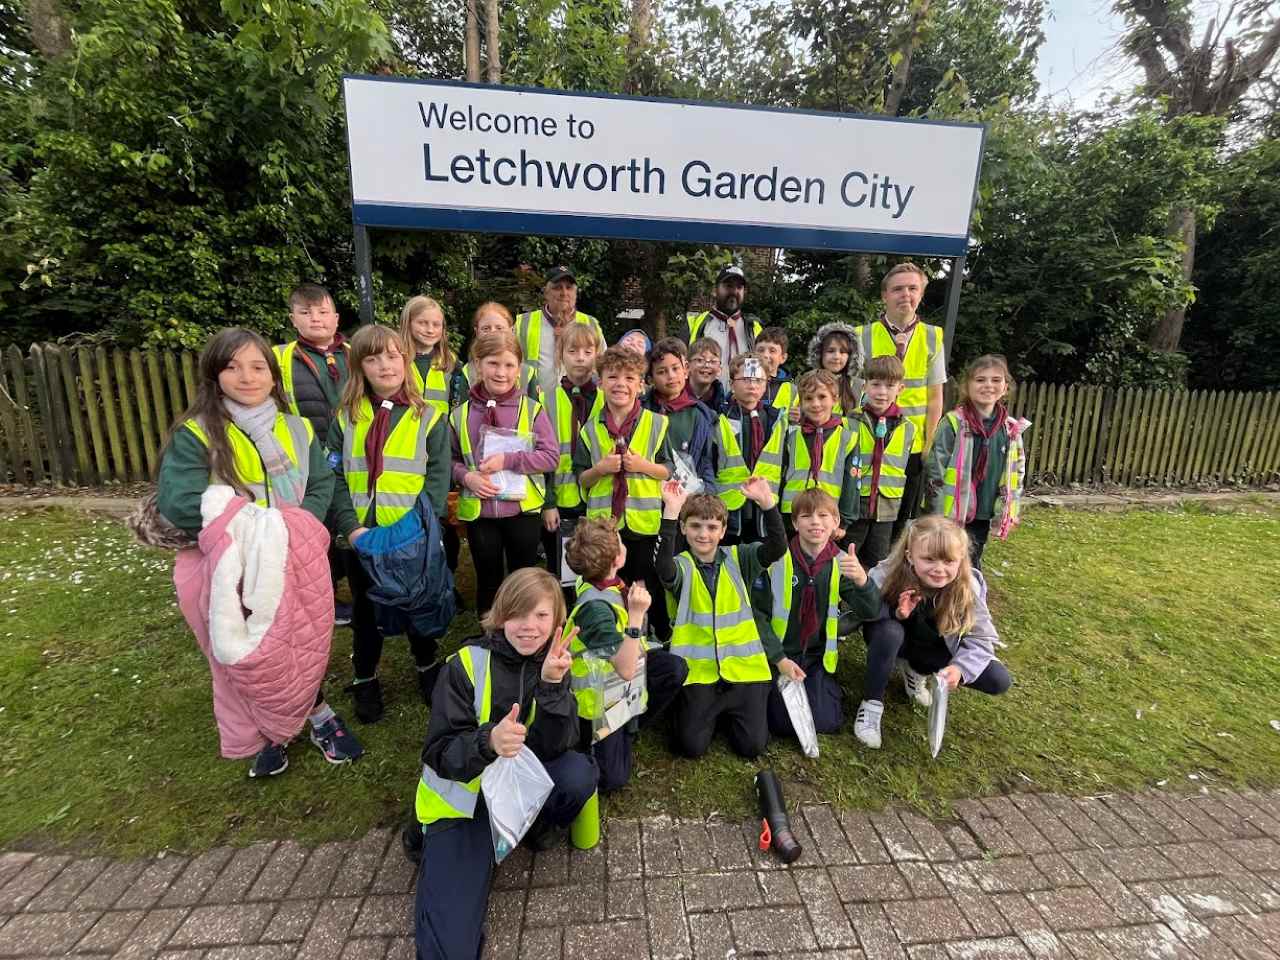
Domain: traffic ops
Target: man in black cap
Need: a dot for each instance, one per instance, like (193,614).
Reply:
(537,330)
(724,323)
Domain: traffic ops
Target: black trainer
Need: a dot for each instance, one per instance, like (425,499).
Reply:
(411,841)
(427,681)
(367,697)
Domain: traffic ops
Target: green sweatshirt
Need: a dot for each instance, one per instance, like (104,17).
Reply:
(940,453)
(598,628)
(863,601)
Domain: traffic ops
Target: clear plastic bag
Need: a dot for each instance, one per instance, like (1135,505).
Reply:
(620,700)
(940,694)
(796,700)
(685,474)
(515,788)
(495,440)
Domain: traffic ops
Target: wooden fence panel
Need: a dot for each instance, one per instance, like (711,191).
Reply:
(60,360)
(137,463)
(9,423)
(98,438)
(177,393)
(143,401)
(1269,448)
(189,376)
(1156,427)
(109,393)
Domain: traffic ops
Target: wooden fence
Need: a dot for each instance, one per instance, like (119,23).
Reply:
(86,416)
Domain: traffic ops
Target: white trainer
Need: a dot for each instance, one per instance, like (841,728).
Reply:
(916,685)
(866,725)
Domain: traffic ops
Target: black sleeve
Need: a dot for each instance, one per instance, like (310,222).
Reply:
(456,748)
(665,562)
(758,557)
(555,726)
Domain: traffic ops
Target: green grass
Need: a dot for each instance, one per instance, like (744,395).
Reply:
(1143,644)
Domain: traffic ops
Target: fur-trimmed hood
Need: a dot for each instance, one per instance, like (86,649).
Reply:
(853,371)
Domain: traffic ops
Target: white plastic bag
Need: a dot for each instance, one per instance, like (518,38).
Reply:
(940,693)
(515,788)
(685,474)
(796,699)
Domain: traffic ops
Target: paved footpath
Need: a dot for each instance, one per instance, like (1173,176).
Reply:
(1143,876)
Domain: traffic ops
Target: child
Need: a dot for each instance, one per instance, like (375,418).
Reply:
(797,607)
(835,348)
(609,617)
(975,467)
(237,433)
(878,464)
(704,374)
(748,443)
(714,630)
(816,452)
(622,458)
(507,691)
(492,317)
(690,423)
(386,446)
(780,393)
(934,616)
(435,368)
(500,530)
(637,340)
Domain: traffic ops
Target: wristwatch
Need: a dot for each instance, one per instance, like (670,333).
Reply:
(633,632)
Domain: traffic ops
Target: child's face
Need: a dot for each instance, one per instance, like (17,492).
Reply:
(317,322)
(427,329)
(815,529)
(881,393)
(934,572)
(835,354)
(988,386)
(634,341)
(817,405)
(773,356)
(529,632)
(500,372)
(621,387)
(385,370)
(704,536)
(704,369)
(747,391)
(620,560)
(491,323)
(580,362)
(247,378)
(669,375)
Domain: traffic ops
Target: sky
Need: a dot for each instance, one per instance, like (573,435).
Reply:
(1081,59)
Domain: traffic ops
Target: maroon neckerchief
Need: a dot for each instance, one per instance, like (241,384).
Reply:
(376,438)
(973,420)
(901,335)
(582,397)
(620,434)
(482,396)
(809,595)
(613,581)
(330,354)
(681,401)
(757,435)
(877,455)
(729,321)
(817,434)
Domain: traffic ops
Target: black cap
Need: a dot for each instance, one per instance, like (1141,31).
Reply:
(559,273)
(733,271)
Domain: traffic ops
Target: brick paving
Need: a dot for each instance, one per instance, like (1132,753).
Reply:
(1029,876)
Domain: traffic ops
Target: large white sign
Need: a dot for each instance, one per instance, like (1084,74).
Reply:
(451,156)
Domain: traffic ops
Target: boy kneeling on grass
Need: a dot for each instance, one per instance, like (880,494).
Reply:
(712,627)
(797,606)
(610,619)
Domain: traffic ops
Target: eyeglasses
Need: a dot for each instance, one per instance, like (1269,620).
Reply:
(705,361)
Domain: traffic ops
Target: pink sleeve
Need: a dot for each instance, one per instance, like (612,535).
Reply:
(459,468)
(546,450)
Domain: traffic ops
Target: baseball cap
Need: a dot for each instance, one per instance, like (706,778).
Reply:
(560,273)
(730,272)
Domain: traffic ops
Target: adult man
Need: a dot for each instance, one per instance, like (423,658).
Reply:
(724,323)
(538,330)
(899,332)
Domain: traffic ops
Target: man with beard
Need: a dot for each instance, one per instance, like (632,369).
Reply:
(539,330)
(724,323)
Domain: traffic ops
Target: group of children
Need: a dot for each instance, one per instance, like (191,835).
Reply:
(720,539)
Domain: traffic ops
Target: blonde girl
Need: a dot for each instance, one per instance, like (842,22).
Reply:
(933,618)
(387,445)
(435,368)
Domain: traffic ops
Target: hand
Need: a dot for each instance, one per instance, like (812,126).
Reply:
(492,464)
(356,534)
(634,463)
(789,668)
(907,601)
(952,675)
(507,737)
(610,464)
(551,519)
(638,600)
(758,491)
(558,659)
(851,568)
(480,485)
(793,414)
(673,498)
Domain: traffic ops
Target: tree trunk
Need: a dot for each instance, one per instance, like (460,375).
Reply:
(1167,333)
(638,43)
(472,54)
(49,28)
(902,70)
(492,56)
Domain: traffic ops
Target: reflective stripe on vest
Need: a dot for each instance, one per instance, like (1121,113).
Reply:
(830,477)
(717,637)
(696,320)
(921,350)
(529,332)
(294,434)
(468,502)
(893,465)
(404,463)
(591,672)
(962,506)
(643,509)
(733,470)
(568,493)
(782,578)
(434,389)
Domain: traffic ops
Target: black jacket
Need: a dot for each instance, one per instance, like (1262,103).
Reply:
(458,748)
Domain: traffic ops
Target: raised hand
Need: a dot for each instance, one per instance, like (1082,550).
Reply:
(638,600)
(558,659)
(758,491)
(507,736)
(850,568)
(907,601)
(673,498)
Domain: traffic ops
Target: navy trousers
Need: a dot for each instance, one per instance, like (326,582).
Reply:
(825,701)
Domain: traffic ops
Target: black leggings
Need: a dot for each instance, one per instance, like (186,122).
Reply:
(912,494)
(870,540)
(887,640)
(499,546)
(366,641)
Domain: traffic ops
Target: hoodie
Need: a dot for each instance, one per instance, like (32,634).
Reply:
(852,370)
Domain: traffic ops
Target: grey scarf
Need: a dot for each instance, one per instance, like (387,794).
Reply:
(283,476)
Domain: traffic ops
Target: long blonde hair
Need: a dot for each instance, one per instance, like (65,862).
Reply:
(520,593)
(934,537)
(370,341)
(442,357)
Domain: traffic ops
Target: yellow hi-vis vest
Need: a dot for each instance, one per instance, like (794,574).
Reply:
(560,409)
(528,377)
(284,358)
(441,799)
(893,465)
(924,346)
(294,434)
(643,513)
(697,320)
(782,578)
(786,397)
(591,673)
(830,476)
(959,499)
(404,463)
(468,502)
(733,462)
(717,638)
(435,388)
(529,332)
